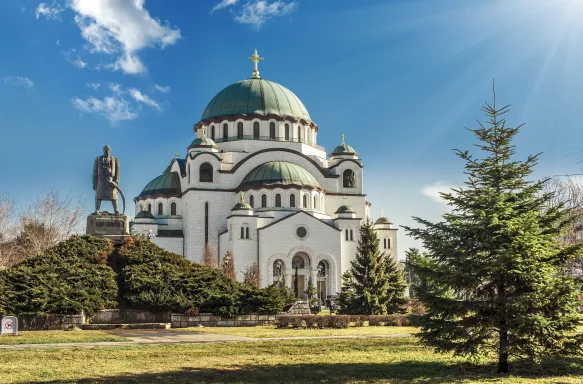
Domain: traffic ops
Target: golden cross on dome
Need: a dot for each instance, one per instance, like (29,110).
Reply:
(343,139)
(177,155)
(242,197)
(382,212)
(203,131)
(255,59)
(345,198)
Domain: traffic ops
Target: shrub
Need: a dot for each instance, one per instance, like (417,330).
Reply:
(375,320)
(339,321)
(283,321)
(312,321)
(65,279)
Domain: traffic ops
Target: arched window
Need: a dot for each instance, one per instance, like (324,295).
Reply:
(150,208)
(292,200)
(287,132)
(252,201)
(160,209)
(206,173)
(256,130)
(315,202)
(188,171)
(141,207)
(348,178)
(240,130)
(305,201)
(299,134)
(263,201)
(351,235)
(278,268)
(225,131)
(272,131)
(173,209)
(212,132)
(242,232)
(322,269)
(247,232)
(278,200)
(388,243)
(346,234)
(385,243)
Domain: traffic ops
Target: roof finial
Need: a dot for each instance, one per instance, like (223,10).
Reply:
(242,197)
(177,155)
(345,201)
(255,59)
(343,139)
(203,131)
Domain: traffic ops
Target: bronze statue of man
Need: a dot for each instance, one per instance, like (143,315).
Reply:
(105,179)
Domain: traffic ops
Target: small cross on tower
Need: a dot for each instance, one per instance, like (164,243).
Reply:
(255,59)
(345,198)
(343,139)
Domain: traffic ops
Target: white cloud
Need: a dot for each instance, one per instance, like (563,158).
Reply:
(258,12)
(161,89)
(51,12)
(19,81)
(433,191)
(224,4)
(141,98)
(58,42)
(79,63)
(94,86)
(121,27)
(114,108)
(116,88)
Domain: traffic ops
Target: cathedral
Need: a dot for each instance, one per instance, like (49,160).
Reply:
(255,184)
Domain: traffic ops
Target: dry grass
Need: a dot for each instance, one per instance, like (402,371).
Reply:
(394,360)
(271,331)
(50,337)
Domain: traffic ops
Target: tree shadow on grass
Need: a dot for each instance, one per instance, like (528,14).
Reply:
(398,373)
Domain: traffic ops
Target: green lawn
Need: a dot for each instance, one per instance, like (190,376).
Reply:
(49,337)
(395,360)
(271,331)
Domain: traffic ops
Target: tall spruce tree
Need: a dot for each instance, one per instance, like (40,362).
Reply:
(376,284)
(494,268)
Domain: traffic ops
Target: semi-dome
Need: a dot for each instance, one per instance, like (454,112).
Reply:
(256,96)
(204,142)
(166,184)
(383,220)
(343,149)
(344,209)
(144,215)
(279,173)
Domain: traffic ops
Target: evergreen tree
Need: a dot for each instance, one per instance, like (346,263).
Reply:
(347,299)
(494,272)
(376,282)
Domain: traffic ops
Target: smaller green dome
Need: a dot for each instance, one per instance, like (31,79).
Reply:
(144,215)
(166,184)
(279,173)
(345,209)
(383,220)
(242,206)
(203,141)
(343,148)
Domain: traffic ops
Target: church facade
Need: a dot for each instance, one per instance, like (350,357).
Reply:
(256,184)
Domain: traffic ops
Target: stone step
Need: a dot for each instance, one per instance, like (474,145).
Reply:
(105,327)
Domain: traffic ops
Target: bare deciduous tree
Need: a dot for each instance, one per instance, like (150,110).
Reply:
(228,266)
(7,248)
(252,275)
(208,256)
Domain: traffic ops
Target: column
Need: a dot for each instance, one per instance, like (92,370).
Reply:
(288,277)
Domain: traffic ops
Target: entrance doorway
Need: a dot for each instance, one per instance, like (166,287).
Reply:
(300,270)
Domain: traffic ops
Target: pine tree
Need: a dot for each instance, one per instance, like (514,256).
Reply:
(494,269)
(377,282)
(347,299)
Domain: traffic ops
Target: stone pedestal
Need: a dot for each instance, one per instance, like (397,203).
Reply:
(108,226)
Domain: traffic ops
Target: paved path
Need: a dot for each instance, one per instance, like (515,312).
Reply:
(149,337)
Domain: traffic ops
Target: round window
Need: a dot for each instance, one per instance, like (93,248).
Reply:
(301,232)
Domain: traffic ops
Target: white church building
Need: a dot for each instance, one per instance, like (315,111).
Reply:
(255,183)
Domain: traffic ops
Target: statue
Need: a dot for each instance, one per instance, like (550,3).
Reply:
(348,179)
(106,179)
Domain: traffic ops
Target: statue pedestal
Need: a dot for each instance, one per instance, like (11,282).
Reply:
(108,226)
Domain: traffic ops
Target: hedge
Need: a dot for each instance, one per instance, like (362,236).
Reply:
(341,321)
(65,279)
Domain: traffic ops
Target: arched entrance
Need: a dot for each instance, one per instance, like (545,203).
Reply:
(300,274)
(322,280)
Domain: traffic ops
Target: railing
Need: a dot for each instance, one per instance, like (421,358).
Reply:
(268,138)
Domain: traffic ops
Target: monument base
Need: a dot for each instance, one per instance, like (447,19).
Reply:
(108,226)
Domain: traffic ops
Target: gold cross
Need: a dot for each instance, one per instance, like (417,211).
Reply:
(382,212)
(343,139)
(255,59)
(344,200)
(242,197)
(203,131)
(177,155)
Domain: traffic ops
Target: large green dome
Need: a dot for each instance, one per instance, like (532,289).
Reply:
(256,96)
(165,184)
(279,173)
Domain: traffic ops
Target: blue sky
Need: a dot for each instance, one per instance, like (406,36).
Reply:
(401,78)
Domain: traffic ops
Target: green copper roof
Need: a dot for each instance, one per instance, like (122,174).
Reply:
(203,142)
(166,184)
(343,148)
(144,215)
(256,96)
(345,209)
(276,173)
(383,220)
(242,206)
